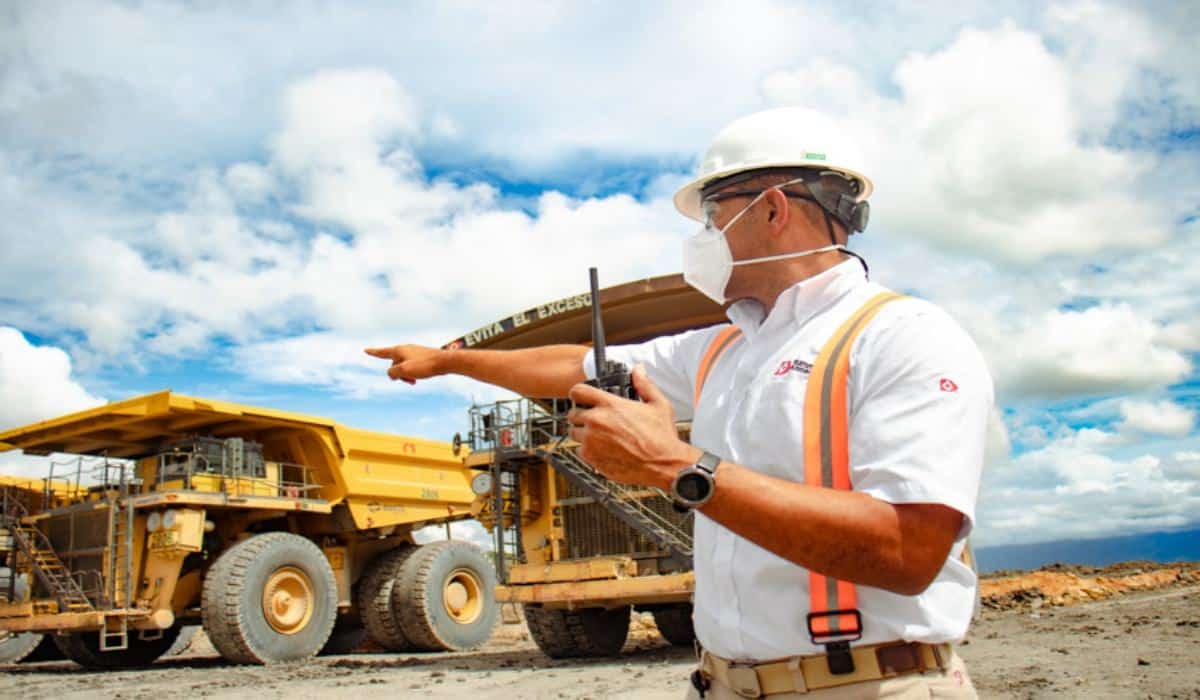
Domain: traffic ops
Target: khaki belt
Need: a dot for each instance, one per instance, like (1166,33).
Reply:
(801,674)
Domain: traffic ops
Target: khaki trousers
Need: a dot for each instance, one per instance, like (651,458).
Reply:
(951,684)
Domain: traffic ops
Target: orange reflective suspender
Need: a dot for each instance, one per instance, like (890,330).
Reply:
(833,618)
(719,344)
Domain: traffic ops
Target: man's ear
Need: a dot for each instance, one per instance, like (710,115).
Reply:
(778,212)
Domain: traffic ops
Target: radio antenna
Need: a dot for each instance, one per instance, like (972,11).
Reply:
(598,343)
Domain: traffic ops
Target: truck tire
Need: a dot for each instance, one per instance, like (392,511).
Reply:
(46,650)
(564,634)
(15,647)
(345,639)
(84,649)
(269,598)
(445,598)
(675,624)
(375,599)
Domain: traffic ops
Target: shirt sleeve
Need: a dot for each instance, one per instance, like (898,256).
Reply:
(920,399)
(670,361)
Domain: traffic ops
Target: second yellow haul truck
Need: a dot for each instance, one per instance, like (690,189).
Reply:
(283,534)
(580,551)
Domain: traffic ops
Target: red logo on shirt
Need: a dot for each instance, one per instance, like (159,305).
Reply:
(947,385)
(793,366)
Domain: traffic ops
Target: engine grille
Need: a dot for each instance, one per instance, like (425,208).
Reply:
(592,531)
(80,539)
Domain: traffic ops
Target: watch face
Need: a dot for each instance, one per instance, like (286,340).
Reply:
(693,487)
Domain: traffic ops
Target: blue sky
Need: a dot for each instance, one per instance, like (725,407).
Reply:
(231,200)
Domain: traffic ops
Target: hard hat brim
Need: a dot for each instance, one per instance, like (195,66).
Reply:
(687,198)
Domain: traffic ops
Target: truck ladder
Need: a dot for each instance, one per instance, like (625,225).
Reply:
(506,503)
(618,500)
(120,543)
(48,568)
(119,574)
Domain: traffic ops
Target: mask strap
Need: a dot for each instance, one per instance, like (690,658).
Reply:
(786,256)
(861,261)
(829,225)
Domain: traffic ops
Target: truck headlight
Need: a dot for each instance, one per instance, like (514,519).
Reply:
(481,483)
(168,521)
(154,521)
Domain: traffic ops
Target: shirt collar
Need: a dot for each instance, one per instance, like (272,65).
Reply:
(801,301)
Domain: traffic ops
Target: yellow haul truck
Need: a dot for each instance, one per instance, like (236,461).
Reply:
(580,551)
(283,534)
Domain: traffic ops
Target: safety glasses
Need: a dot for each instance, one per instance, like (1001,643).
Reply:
(709,204)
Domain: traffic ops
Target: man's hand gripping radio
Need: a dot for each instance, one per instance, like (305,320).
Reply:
(611,376)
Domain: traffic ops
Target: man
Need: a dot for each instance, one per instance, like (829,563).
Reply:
(837,432)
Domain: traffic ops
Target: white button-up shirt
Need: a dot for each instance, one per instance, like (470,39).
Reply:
(919,399)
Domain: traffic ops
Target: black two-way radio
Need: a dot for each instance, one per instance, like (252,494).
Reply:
(611,376)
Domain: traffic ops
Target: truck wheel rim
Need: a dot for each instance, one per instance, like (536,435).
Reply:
(287,600)
(462,596)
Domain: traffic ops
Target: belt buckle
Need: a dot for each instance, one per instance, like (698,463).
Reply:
(743,680)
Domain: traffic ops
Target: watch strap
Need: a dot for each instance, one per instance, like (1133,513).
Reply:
(708,462)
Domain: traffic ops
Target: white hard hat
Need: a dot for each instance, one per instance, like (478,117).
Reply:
(788,137)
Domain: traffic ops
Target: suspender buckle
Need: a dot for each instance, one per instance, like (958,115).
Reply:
(836,642)
(851,634)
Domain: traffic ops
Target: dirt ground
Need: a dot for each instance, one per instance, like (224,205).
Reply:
(1135,635)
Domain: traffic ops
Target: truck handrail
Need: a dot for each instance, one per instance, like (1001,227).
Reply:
(235,477)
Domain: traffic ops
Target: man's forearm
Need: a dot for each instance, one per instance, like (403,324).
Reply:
(842,534)
(547,371)
(847,535)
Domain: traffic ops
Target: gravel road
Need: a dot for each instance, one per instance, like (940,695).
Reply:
(1141,645)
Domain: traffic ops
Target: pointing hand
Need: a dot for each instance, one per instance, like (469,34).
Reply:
(409,362)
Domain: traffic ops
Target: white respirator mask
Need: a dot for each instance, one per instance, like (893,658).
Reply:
(708,263)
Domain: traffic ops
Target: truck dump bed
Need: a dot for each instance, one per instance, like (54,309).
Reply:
(633,312)
(384,479)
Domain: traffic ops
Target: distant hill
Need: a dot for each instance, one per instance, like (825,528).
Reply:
(1158,546)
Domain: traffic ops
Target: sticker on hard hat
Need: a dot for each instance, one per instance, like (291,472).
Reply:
(814,156)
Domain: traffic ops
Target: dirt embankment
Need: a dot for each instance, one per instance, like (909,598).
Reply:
(1130,630)
(1060,584)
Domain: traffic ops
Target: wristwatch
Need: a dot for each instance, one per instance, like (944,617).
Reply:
(694,485)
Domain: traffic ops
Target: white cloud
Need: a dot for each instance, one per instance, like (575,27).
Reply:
(1158,418)
(249,182)
(983,150)
(1107,46)
(1183,335)
(36,382)
(528,87)
(998,447)
(337,364)
(1183,466)
(1058,491)
(1119,50)
(1098,350)
(405,254)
